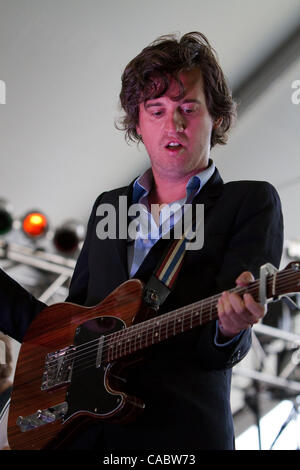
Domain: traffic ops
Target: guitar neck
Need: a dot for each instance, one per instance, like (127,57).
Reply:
(157,329)
(167,325)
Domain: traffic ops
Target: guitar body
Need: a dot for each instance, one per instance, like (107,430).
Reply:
(57,392)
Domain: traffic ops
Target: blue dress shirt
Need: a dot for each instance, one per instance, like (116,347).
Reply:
(148,232)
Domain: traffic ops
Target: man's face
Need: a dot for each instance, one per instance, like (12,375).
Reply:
(176,133)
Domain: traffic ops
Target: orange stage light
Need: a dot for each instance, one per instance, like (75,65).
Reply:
(35,224)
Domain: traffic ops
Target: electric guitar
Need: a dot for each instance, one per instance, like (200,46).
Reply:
(69,369)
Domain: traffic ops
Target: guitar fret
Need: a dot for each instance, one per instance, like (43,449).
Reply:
(135,347)
(119,343)
(178,321)
(146,337)
(154,333)
(122,343)
(110,352)
(158,333)
(119,354)
(129,344)
(114,346)
(182,323)
(167,326)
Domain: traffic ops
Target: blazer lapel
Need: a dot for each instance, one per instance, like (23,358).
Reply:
(211,191)
(121,203)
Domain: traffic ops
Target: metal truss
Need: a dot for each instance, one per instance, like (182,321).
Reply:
(281,380)
(38,258)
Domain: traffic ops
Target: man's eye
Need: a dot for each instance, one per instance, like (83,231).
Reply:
(188,110)
(157,113)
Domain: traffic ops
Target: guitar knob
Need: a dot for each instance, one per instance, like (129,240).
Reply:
(20,420)
(24,424)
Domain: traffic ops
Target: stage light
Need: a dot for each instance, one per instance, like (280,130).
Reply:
(35,224)
(6,217)
(68,236)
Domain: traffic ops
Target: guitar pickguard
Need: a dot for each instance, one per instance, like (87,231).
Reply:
(88,368)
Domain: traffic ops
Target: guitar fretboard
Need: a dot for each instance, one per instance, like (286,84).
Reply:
(162,327)
(167,325)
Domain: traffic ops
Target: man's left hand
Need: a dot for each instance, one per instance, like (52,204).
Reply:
(238,313)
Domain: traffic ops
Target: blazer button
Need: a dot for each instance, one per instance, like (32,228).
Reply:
(236,356)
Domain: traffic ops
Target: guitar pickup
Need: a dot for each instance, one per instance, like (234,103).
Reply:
(58,368)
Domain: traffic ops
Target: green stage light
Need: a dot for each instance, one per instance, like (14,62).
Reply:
(6,217)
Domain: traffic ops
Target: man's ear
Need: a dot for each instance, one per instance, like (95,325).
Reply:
(217,123)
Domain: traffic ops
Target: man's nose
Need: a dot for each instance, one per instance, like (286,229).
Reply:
(176,121)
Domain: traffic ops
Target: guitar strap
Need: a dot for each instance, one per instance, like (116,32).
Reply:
(163,278)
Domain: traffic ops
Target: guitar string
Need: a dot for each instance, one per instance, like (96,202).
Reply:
(87,362)
(82,367)
(147,332)
(125,334)
(142,326)
(151,320)
(133,329)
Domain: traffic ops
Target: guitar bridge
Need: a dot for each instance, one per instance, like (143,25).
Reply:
(42,417)
(58,368)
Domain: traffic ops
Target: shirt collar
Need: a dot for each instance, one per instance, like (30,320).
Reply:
(143,184)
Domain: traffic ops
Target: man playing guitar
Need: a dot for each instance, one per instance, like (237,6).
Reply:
(177,103)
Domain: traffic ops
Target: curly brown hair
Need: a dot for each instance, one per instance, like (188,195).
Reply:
(148,75)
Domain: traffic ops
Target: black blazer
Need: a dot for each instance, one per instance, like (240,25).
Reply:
(185,382)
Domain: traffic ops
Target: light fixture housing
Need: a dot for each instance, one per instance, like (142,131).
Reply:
(68,236)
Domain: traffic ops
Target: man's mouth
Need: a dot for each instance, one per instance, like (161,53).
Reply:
(174,146)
